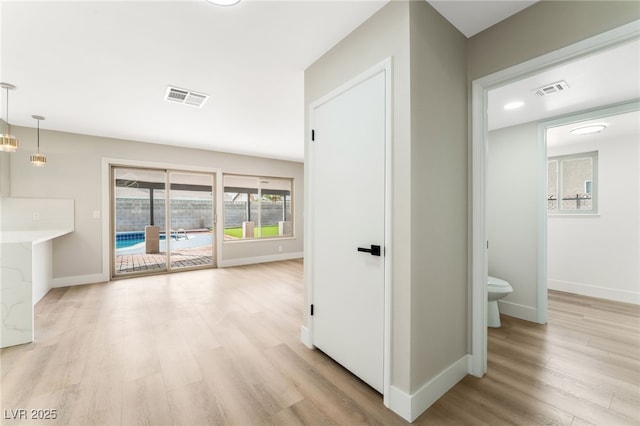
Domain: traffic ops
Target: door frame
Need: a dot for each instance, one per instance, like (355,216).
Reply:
(107,163)
(384,66)
(479,156)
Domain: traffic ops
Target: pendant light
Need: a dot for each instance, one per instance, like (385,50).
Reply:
(38,159)
(224,2)
(9,143)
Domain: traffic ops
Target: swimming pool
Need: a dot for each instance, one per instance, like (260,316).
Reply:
(128,239)
(133,242)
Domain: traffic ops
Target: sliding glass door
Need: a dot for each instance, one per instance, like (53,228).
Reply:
(156,230)
(192,226)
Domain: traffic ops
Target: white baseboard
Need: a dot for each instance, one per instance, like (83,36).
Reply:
(305,337)
(595,291)
(79,280)
(409,407)
(260,259)
(516,310)
(99,278)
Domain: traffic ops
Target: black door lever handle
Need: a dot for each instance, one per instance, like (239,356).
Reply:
(374,250)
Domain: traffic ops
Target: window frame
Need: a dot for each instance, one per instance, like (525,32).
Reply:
(560,159)
(287,201)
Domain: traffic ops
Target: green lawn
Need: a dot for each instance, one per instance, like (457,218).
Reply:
(267,231)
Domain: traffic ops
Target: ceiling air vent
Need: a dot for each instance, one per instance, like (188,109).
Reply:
(186,97)
(548,89)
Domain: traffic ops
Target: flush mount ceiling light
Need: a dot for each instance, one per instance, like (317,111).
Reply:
(224,2)
(588,129)
(9,143)
(38,159)
(513,105)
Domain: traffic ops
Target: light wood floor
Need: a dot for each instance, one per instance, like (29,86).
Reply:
(222,347)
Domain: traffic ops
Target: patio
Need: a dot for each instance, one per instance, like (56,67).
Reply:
(183,258)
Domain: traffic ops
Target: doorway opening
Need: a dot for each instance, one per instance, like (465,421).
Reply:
(593,224)
(161,220)
(480,242)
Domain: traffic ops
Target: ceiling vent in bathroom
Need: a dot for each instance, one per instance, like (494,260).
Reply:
(548,89)
(186,97)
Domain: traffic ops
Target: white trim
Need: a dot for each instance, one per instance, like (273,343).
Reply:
(385,66)
(600,112)
(541,268)
(388,201)
(516,310)
(106,219)
(305,337)
(255,240)
(479,257)
(79,280)
(595,291)
(409,407)
(400,403)
(260,259)
(480,87)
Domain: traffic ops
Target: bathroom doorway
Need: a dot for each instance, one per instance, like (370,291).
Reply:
(483,242)
(593,203)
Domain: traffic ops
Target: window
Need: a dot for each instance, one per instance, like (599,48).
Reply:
(257,207)
(572,184)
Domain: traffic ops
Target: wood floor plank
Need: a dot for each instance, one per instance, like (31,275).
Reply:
(193,404)
(239,402)
(301,413)
(514,380)
(626,405)
(145,402)
(222,347)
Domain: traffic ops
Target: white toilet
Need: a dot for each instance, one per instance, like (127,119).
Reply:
(496,290)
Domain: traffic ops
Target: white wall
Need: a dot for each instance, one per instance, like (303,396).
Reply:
(513,177)
(74,171)
(429,184)
(594,255)
(385,34)
(439,190)
(599,255)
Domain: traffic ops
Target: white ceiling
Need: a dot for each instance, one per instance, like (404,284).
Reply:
(619,127)
(472,16)
(102,68)
(596,80)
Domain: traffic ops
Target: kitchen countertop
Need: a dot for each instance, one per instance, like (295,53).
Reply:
(32,236)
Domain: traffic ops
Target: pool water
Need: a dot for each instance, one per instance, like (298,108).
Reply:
(129,243)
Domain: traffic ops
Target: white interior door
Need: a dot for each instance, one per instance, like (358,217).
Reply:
(348,204)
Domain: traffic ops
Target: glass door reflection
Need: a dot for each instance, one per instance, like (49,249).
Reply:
(138,221)
(191,238)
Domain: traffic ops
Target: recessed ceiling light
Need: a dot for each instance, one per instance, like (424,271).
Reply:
(224,2)
(588,129)
(513,105)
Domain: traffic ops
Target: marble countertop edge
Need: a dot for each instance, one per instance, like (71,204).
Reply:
(32,236)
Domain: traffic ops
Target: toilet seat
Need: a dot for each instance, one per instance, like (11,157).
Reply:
(497,282)
(498,285)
